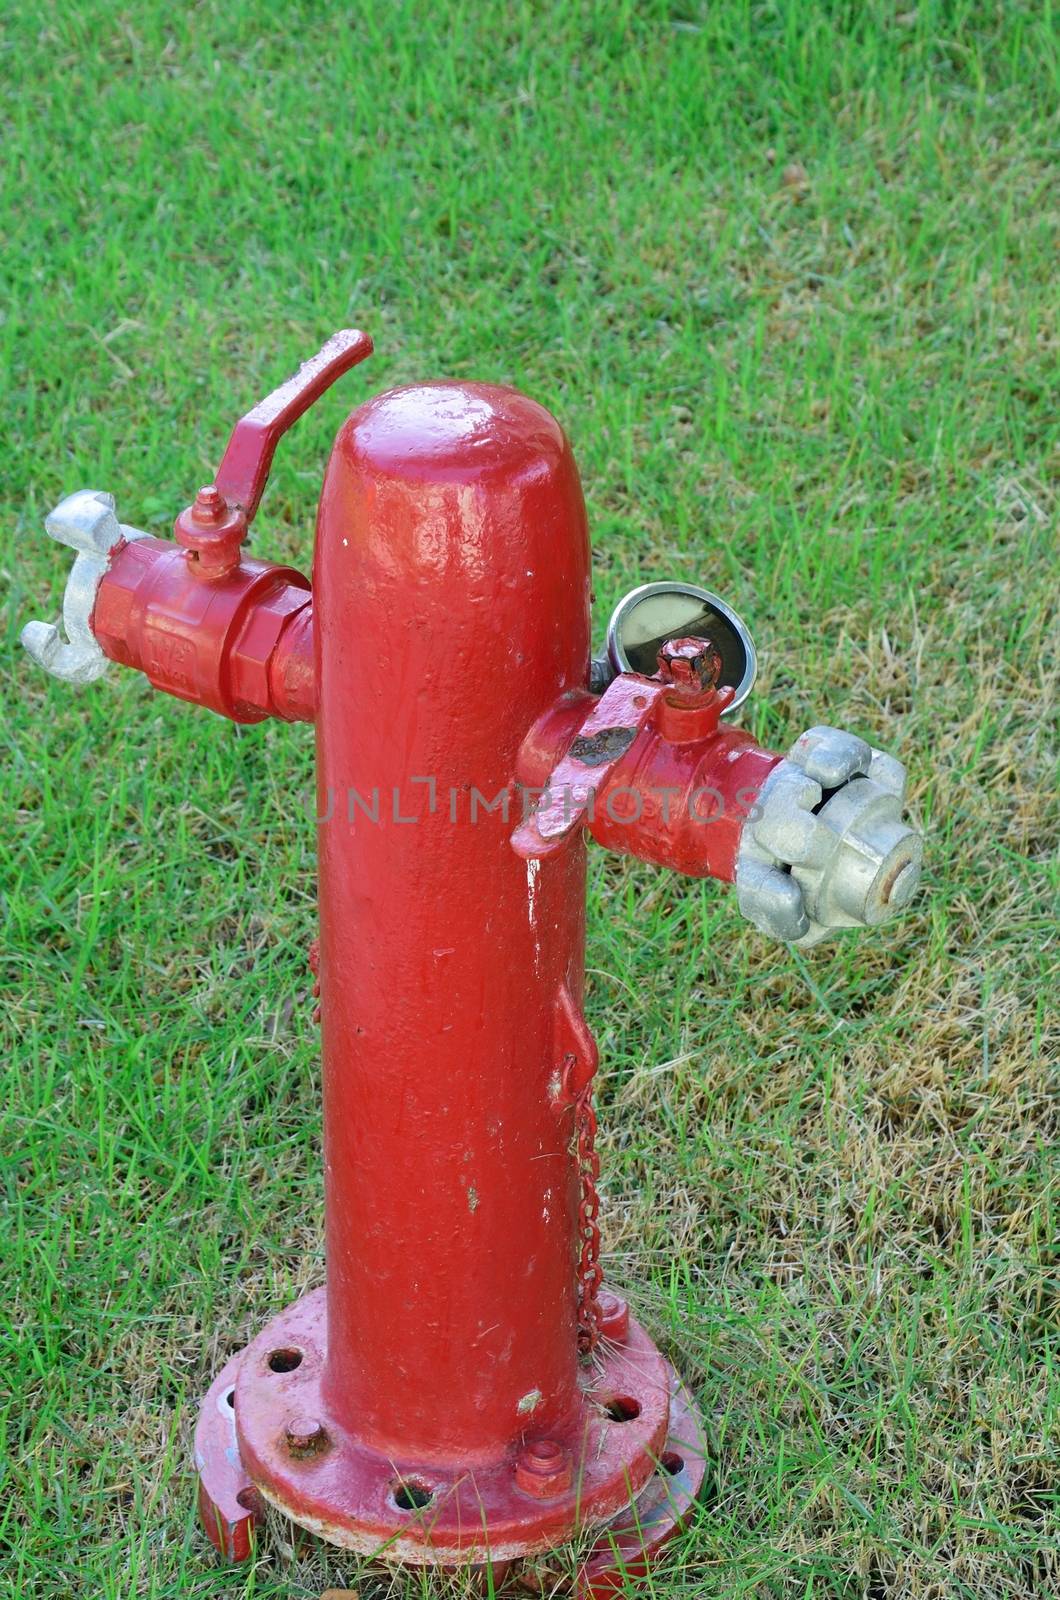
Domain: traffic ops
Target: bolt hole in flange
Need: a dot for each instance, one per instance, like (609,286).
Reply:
(411,1495)
(230,1398)
(622,1408)
(671,1463)
(284,1360)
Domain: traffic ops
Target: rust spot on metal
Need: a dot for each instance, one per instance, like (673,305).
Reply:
(305,1436)
(690,664)
(250,1499)
(596,749)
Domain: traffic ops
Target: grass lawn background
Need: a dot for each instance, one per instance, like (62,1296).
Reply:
(786,274)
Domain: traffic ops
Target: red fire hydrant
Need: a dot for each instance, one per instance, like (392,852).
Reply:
(465,1389)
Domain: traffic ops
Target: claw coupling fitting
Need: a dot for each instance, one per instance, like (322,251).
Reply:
(825,846)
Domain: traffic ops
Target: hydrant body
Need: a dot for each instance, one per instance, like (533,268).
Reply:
(451,611)
(452,607)
(464,1390)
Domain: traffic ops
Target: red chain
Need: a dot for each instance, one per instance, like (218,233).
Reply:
(590,1272)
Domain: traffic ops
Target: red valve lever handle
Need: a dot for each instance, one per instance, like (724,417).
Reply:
(244,468)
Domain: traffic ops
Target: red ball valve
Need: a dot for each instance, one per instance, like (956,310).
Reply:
(465,1388)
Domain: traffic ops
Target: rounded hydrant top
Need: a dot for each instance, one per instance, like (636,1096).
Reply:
(456,429)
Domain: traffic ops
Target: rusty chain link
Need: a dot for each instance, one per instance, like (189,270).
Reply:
(590,1272)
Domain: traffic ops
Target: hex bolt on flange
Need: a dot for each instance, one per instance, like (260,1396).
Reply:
(614,1316)
(305,1436)
(543,1468)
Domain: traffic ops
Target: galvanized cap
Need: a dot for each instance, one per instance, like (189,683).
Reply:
(826,846)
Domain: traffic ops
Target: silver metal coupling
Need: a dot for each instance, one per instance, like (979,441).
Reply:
(86,522)
(825,845)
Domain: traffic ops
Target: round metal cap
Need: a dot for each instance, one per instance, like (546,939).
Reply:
(646,617)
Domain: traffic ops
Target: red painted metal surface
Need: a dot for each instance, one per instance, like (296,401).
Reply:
(451,606)
(395,1504)
(230,1508)
(683,805)
(241,644)
(649,770)
(212,529)
(247,460)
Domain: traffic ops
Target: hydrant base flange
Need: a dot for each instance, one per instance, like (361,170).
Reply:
(636,1451)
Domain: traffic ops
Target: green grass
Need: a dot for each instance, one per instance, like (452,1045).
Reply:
(786,273)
